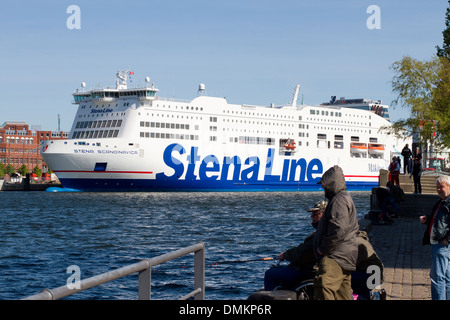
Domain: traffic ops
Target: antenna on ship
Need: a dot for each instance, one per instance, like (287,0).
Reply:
(121,82)
(201,90)
(294,99)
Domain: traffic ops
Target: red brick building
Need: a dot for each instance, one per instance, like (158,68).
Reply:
(20,146)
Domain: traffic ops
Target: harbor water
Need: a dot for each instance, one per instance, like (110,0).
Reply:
(43,233)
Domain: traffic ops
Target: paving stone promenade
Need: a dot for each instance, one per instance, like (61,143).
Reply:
(399,245)
(406,261)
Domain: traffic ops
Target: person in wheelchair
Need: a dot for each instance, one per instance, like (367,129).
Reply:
(360,283)
(303,264)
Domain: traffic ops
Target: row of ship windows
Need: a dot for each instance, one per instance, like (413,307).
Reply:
(95,134)
(166,125)
(253,140)
(312,112)
(300,125)
(181,107)
(325,113)
(335,114)
(241,139)
(257,122)
(279,116)
(125,104)
(244,113)
(173,116)
(101,114)
(214,119)
(98,124)
(343,122)
(323,136)
(321,142)
(300,134)
(257,114)
(147,124)
(338,144)
(243,121)
(159,135)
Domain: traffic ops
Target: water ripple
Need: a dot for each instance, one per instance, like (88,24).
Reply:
(43,233)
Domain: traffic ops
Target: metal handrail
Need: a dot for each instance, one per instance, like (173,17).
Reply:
(144,269)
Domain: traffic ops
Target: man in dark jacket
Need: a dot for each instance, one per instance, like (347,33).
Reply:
(406,153)
(335,241)
(437,234)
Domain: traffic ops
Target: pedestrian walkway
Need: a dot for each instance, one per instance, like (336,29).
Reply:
(406,261)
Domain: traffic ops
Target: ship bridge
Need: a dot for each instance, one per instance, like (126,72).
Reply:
(120,92)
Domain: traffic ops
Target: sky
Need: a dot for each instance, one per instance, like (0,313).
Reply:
(251,52)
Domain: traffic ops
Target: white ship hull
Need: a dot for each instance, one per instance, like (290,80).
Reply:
(208,144)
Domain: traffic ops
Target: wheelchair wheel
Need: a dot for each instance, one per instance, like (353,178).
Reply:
(305,290)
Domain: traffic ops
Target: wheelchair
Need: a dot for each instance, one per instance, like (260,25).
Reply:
(304,290)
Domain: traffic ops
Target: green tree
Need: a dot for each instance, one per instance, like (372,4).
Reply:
(2,169)
(424,88)
(441,104)
(23,170)
(444,52)
(9,169)
(441,95)
(415,83)
(37,171)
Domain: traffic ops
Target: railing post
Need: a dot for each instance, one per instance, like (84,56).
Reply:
(199,272)
(145,283)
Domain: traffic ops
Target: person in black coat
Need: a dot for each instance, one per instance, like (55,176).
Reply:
(406,153)
(385,198)
(417,170)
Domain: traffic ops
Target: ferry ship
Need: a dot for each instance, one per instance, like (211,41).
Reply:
(131,139)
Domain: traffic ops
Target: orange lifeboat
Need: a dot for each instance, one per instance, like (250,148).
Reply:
(358,147)
(290,146)
(376,148)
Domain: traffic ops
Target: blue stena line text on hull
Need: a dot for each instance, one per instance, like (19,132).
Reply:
(211,169)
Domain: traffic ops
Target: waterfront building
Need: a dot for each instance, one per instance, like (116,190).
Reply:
(19,145)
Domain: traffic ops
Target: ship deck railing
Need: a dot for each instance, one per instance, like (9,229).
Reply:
(143,268)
